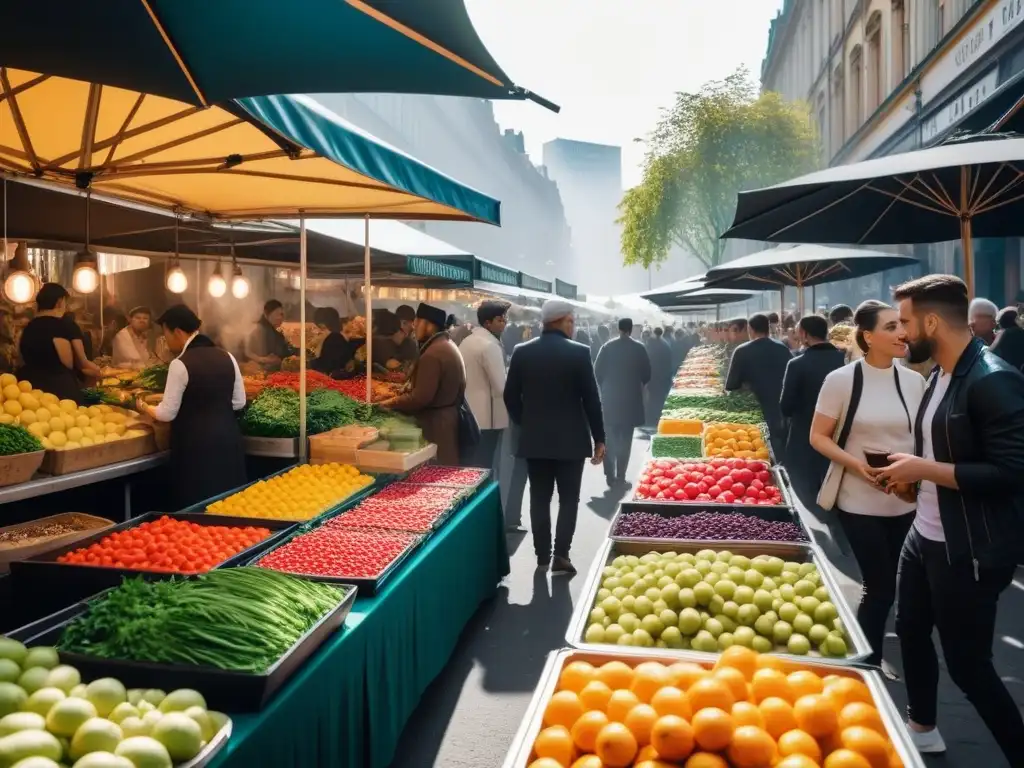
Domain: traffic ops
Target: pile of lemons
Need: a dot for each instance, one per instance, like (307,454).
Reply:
(740,441)
(299,494)
(59,424)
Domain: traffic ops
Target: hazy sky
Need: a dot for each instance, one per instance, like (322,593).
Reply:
(612,64)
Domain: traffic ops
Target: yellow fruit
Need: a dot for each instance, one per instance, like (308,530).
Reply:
(47,445)
(72,444)
(12,407)
(81,421)
(110,429)
(68,406)
(68,419)
(28,417)
(49,400)
(28,402)
(86,441)
(93,411)
(105,409)
(43,413)
(25,386)
(39,428)
(6,418)
(37,393)
(57,424)
(96,424)
(6,379)
(75,434)
(58,438)
(88,432)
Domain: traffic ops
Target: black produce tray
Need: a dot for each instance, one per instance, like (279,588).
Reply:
(62,583)
(471,489)
(365,587)
(677,509)
(223,690)
(201,506)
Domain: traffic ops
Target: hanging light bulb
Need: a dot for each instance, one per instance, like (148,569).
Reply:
(217,286)
(86,278)
(177,282)
(20,285)
(239,283)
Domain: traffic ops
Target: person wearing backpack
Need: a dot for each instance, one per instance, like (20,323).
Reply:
(867,409)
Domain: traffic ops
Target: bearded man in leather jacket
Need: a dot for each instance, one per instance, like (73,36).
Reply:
(967,537)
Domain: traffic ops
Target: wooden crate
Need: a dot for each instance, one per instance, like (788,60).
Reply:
(30,547)
(20,467)
(340,445)
(92,456)
(392,462)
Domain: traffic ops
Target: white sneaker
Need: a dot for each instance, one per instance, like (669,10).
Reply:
(927,742)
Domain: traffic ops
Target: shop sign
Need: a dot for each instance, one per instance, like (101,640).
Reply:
(417,265)
(534,283)
(492,273)
(565,290)
(961,104)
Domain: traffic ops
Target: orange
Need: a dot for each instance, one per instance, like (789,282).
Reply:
(797,742)
(768,682)
(712,729)
(705,760)
(895,761)
(868,744)
(767,661)
(547,762)
(844,758)
(778,716)
(795,761)
(804,682)
(686,673)
(576,675)
(648,678)
(859,713)
(564,708)
(646,753)
(615,674)
(672,737)
(751,747)
(710,692)
(671,701)
(654,764)
(734,679)
(555,743)
(616,746)
(588,761)
(739,657)
(830,743)
(745,713)
(595,695)
(816,715)
(640,721)
(844,690)
(584,731)
(619,705)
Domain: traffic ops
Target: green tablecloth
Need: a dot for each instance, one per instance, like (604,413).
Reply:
(348,704)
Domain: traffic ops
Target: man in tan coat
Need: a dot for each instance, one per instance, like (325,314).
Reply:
(437,387)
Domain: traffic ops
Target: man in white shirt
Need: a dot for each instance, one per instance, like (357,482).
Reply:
(131,343)
(485,379)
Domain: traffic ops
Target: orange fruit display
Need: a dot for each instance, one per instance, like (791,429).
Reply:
(575,676)
(672,737)
(619,705)
(564,709)
(584,731)
(648,678)
(554,743)
(752,747)
(845,758)
(616,746)
(816,715)
(797,742)
(686,673)
(705,760)
(547,762)
(803,682)
(867,743)
(588,761)
(672,701)
(595,695)
(859,713)
(771,683)
(710,692)
(845,690)
(712,728)
(746,713)
(640,721)
(615,674)
(797,761)
(778,716)
(739,657)
(733,680)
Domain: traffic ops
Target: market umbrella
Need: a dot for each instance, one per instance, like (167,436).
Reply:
(801,266)
(706,298)
(954,191)
(666,295)
(204,52)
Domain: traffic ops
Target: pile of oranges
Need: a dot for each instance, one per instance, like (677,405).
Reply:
(746,712)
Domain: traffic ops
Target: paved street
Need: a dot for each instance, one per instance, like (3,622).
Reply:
(470,715)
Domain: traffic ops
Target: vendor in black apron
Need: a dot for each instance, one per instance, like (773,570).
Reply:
(204,389)
(46,346)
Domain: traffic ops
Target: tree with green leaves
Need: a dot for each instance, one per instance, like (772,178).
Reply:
(706,148)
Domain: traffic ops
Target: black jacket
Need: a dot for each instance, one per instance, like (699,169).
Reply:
(551,394)
(800,388)
(979,427)
(760,365)
(1009,345)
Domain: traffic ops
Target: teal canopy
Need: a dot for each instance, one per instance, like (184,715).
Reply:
(208,51)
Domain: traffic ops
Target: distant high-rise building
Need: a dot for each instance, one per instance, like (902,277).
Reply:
(589,179)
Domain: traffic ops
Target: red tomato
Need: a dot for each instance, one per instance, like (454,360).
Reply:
(725,483)
(714,491)
(727,497)
(692,490)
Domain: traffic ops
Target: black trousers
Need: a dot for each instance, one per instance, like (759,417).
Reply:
(934,594)
(876,543)
(545,474)
(485,452)
(618,449)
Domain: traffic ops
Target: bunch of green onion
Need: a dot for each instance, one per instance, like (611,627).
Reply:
(240,619)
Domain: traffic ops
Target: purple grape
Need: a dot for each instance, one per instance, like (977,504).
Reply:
(705,526)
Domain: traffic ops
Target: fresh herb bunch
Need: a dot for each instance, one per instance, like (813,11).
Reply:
(709,415)
(677,446)
(14,439)
(153,378)
(275,413)
(98,396)
(240,619)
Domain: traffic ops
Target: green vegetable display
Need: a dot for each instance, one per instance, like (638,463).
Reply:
(99,396)
(731,402)
(153,378)
(14,439)
(275,413)
(710,415)
(676,447)
(241,619)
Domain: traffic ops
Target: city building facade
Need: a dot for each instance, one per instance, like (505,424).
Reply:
(890,76)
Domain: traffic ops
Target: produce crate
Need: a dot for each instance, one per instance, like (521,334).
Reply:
(43,575)
(92,456)
(520,753)
(784,488)
(213,746)
(770,514)
(857,644)
(367,587)
(677,446)
(20,467)
(422,476)
(457,497)
(201,506)
(224,690)
(328,446)
(393,461)
(271,447)
(29,547)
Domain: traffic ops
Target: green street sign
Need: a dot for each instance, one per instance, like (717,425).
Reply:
(534,283)
(492,273)
(417,265)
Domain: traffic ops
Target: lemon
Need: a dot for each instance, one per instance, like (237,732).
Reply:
(39,428)
(68,406)
(81,421)
(27,417)
(47,445)
(57,424)
(28,402)
(71,445)
(88,432)
(43,414)
(11,392)
(68,419)
(74,434)
(58,439)
(6,379)
(25,386)
(6,418)
(49,400)
(12,407)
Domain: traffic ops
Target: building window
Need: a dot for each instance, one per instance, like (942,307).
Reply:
(939,22)
(838,21)
(856,90)
(823,135)
(876,90)
(837,120)
(900,44)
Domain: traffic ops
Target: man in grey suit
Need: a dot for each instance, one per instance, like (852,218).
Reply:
(623,369)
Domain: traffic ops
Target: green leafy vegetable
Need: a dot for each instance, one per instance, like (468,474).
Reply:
(275,413)
(677,446)
(99,396)
(153,378)
(15,439)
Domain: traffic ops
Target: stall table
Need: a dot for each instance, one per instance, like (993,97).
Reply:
(348,705)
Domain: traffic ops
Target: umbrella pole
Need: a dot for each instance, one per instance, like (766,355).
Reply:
(302,340)
(369,322)
(814,299)
(800,297)
(782,301)
(718,312)
(968,246)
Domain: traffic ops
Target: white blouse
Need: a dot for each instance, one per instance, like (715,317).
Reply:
(177,380)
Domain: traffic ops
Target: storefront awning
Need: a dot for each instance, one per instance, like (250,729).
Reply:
(210,51)
(999,113)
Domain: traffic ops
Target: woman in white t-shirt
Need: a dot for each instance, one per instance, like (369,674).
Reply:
(876,523)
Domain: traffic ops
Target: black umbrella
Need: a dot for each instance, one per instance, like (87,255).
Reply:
(801,266)
(954,191)
(666,295)
(706,298)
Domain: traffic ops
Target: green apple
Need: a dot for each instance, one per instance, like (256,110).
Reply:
(781,632)
(764,626)
(672,637)
(612,633)
(643,606)
(725,640)
(744,595)
(731,609)
(612,606)
(739,561)
(689,578)
(788,612)
(802,624)
(817,634)
(687,599)
(822,594)
(724,556)
(720,568)
(753,578)
(703,567)
(726,622)
(809,605)
(743,636)
(629,621)
(807,568)
(703,592)
(594,634)
(763,600)
(642,638)
(652,625)
(670,594)
(836,645)
(620,592)
(803,588)
(669,618)
(748,614)
(689,621)
(597,615)
(798,645)
(716,605)
(762,644)
(726,588)
(825,613)
(712,578)
(714,626)
(626,639)
(652,594)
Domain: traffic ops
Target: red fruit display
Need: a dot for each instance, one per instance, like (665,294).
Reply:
(402,507)
(457,476)
(718,481)
(340,552)
(167,544)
